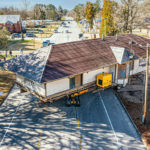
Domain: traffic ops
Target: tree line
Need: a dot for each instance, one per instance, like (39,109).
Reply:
(115,17)
(39,11)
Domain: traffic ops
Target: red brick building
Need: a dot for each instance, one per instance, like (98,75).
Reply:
(11,22)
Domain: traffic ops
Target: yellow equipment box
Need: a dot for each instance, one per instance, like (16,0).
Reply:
(104,80)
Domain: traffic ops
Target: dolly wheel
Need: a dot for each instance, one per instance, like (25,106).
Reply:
(77,101)
(68,101)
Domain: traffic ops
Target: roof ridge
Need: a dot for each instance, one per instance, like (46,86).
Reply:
(46,63)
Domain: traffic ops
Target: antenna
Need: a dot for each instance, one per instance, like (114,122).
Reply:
(131,42)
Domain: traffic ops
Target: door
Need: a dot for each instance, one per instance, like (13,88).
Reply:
(76,81)
(122,71)
(72,83)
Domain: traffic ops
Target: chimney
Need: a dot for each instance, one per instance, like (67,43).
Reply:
(116,38)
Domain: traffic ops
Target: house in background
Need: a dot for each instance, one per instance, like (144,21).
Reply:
(61,69)
(11,22)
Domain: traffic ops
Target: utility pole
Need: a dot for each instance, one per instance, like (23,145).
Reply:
(147,101)
(105,27)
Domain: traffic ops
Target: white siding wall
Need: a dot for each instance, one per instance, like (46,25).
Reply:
(91,76)
(34,86)
(137,68)
(57,86)
(20,79)
(122,81)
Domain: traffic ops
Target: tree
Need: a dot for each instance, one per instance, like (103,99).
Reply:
(65,11)
(79,11)
(3,38)
(128,14)
(97,6)
(36,10)
(42,14)
(108,22)
(51,12)
(90,13)
(24,12)
(60,11)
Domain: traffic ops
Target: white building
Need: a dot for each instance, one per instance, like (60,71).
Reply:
(63,68)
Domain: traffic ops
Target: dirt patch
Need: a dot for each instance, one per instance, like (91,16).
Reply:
(135,106)
(7,80)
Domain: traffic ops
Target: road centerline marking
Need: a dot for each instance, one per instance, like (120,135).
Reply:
(77,119)
(109,121)
(39,143)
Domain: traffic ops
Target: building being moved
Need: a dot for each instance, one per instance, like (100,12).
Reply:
(11,22)
(63,68)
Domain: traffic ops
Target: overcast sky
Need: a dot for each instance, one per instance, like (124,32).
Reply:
(68,4)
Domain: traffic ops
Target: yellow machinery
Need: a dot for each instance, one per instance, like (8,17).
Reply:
(104,80)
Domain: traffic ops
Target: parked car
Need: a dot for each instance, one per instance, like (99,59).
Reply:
(16,35)
(46,43)
(80,35)
(40,31)
(24,30)
(55,31)
(30,35)
(66,31)
(43,26)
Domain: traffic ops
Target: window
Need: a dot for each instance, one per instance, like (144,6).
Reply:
(142,62)
(100,82)
(76,81)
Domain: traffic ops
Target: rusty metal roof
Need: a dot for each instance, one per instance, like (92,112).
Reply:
(77,57)
(73,58)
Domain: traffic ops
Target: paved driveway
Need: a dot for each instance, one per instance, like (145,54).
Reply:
(100,123)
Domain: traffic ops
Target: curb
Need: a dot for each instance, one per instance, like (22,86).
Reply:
(140,135)
(7,94)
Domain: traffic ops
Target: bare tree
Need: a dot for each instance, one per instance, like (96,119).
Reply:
(128,14)
(24,12)
(26,4)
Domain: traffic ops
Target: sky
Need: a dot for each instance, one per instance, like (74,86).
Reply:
(67,4)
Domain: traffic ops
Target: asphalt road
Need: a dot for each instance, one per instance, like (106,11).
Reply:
(62,36)
(99,124)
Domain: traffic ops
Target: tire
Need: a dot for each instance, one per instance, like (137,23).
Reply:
(77,101)
(68,101)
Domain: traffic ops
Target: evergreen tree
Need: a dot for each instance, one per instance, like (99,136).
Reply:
(107,17)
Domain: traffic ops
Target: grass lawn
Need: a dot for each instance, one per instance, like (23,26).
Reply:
(8,57)
(27,45)
(7,80)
